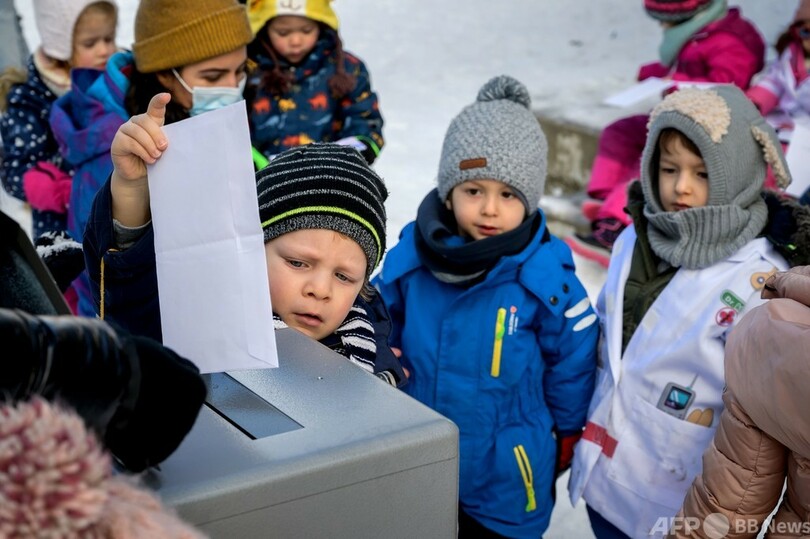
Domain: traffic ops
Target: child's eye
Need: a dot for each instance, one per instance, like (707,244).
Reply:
(344,278)
(508,194)
(295,263)
(472,191)
(667,170)
(703,175)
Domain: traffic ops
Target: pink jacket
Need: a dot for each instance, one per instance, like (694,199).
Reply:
(782,94)
(764,435)
(728,50)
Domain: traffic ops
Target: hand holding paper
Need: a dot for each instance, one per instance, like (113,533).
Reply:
(140,141)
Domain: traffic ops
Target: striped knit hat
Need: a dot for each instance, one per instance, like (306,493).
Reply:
(675,11)
(326,186)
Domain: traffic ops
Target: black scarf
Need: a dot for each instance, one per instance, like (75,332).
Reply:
(467,264)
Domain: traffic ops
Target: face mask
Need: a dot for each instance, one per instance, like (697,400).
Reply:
(208,98)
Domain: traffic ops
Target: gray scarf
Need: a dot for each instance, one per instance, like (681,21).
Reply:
(699,237)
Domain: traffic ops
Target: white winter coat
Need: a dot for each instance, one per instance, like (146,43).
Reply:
(635,461)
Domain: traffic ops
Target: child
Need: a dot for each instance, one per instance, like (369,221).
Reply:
(702,243)
(197,51)
(782,93)
(323,216)
(74,34)
(763,435)
(703,41)
(306,88)
(479,256)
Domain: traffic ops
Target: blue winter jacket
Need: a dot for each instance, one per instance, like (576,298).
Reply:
(510,360)
(84,122)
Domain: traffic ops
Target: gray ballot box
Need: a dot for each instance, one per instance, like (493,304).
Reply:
(314,448)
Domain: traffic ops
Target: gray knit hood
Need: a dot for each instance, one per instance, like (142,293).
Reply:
(736,145)
(498,138)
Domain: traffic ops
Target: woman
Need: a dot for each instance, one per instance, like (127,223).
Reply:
(195,51)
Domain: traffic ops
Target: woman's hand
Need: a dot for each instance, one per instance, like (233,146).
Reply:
(137,143)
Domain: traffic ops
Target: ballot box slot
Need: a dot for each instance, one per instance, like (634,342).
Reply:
(244,409)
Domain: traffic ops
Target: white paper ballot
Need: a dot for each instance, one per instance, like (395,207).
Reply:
(212,274)
(798,158)
(637,93)
(651,87)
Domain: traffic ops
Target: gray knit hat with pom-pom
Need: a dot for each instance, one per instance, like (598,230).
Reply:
(496,138)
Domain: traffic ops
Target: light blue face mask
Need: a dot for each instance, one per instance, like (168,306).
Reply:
(208,98)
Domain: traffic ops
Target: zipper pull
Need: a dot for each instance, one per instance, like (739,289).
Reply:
(531,505)
(500,330)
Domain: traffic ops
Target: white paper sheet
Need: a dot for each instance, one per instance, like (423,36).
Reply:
(651,87)
(648,88)
(798,158)
(212,274)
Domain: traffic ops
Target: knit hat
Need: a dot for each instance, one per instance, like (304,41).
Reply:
(175,33)
(674,10)
(324,186)
(497,138)
(261,11)
(56,480)
(736,145)
(802,11)
(56,20)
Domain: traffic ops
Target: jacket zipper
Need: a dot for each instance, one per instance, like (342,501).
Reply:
(500,329)
(102,288)
(526,473)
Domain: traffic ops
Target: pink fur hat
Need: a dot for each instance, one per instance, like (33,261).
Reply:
(57,481)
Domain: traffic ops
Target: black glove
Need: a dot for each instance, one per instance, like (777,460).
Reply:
(62,255)
(138,396)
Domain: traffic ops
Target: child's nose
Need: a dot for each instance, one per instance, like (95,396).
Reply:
(684,183)
(317,286)
(490,206)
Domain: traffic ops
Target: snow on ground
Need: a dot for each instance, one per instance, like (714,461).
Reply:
(428,60)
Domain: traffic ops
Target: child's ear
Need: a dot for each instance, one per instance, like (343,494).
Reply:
(448,204)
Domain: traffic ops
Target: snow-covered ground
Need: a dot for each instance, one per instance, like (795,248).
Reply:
(428,59)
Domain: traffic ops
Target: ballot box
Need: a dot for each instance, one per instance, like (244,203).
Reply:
(314,448)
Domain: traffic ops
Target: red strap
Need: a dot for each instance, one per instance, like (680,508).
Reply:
(598,435)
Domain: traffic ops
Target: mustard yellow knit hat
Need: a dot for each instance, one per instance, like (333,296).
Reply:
(261,11)
(175,33)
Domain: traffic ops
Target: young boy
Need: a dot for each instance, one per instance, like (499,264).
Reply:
(495,328)
(694,260)
(323,217)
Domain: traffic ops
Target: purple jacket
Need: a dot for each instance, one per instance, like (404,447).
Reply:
(729,50)
(84,122)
